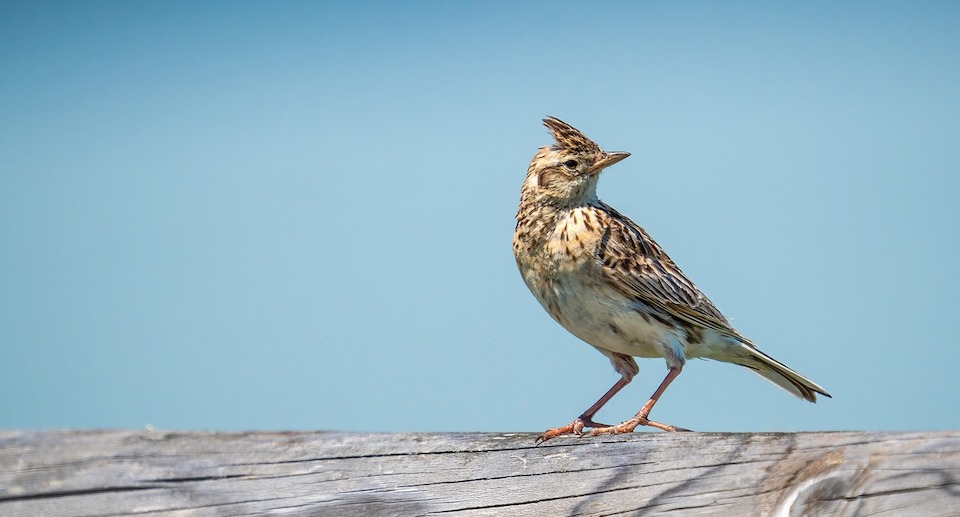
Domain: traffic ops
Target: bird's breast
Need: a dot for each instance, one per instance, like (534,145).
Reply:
(556,250)
(561,267)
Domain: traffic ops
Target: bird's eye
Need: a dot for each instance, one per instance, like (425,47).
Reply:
(570,164)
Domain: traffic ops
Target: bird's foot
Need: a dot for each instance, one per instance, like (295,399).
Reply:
(575,427)
(629,425)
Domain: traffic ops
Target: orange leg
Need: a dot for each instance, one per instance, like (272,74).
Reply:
(641,417)
(586,419)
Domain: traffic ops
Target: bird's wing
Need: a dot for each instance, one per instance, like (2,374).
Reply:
(640,269)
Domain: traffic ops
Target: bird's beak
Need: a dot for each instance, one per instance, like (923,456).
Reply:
(607,160)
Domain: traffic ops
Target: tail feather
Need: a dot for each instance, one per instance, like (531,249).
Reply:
(778,373)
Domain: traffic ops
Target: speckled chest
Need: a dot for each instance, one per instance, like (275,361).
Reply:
(562,268)
(549,247)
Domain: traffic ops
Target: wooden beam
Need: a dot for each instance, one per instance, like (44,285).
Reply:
(75,473)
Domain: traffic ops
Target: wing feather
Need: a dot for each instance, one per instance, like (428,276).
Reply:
(636,265)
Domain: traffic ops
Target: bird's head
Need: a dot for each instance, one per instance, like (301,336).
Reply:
(566,173)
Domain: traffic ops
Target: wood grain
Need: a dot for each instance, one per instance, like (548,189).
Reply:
(78,473)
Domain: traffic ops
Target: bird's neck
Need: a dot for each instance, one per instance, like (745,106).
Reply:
(532,205)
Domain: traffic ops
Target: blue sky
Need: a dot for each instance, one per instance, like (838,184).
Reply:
(262,215)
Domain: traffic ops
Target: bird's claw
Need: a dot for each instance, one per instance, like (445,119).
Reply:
(630,425)
(575,428)
(621,428)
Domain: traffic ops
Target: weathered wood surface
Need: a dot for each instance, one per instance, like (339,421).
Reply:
(349,474)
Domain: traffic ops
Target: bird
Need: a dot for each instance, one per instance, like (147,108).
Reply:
(606,281)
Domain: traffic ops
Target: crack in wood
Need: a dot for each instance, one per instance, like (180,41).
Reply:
(130,472)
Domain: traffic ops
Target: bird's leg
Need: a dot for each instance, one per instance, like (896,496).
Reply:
(586,419)
(641,417)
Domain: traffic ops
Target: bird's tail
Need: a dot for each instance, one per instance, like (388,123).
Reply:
(776,372)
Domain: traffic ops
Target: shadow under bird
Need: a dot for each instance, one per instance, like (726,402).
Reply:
(606,281)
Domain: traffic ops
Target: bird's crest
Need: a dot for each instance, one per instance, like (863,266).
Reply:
(569,137)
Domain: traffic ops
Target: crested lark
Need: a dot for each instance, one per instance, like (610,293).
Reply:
(604,279)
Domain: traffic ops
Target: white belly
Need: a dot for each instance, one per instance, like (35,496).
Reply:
(605,319)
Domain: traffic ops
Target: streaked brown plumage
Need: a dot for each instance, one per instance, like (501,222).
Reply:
(608,282)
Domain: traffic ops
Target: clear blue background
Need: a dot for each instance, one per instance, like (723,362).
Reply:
(291,215)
